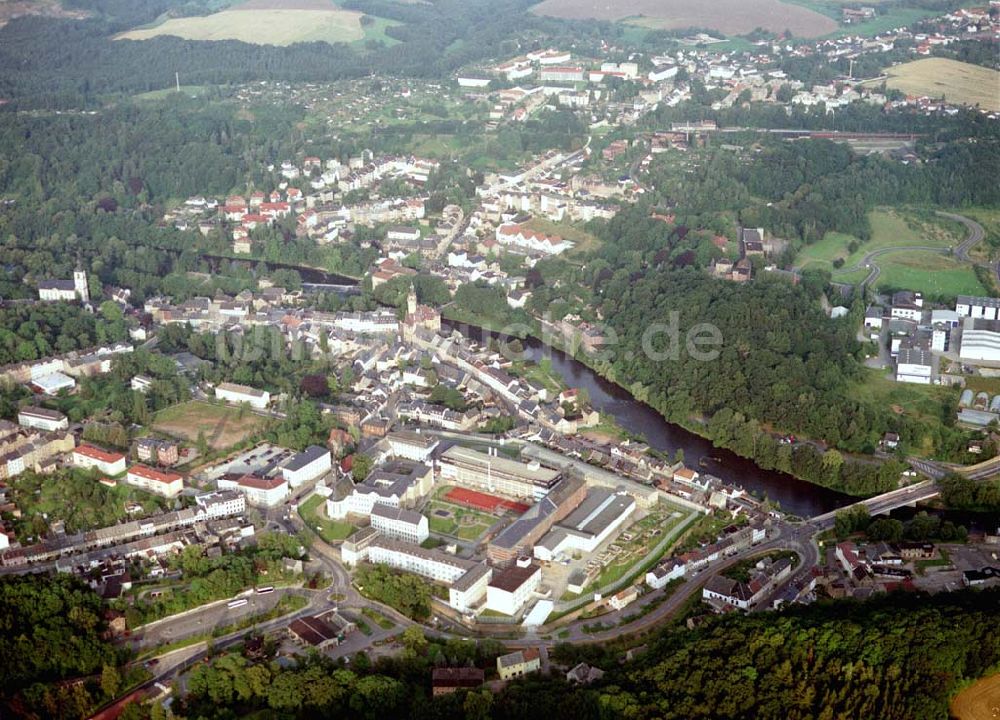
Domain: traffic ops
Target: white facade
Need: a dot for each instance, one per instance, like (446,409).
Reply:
(260,492)
(469,590)
(400,524)
(230,392)
(509,599)
(307,465)
(42,419)
(977,307)
(109,463)
(914,366)
(222,504)
(166,484)
(412,558)
(412,446)
(980,345)
(658,577)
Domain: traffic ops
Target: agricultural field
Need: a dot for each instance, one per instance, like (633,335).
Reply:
(955,81)
(221,425)
(445,518)
(731,17)
(268,22)
(979,701)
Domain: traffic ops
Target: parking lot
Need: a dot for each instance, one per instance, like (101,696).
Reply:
(259,460)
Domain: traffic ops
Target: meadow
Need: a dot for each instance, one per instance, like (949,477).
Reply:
(932,273)
(266,22)
(731,17)
(956,82)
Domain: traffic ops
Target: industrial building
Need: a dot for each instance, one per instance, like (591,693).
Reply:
(494,473)
(594,521)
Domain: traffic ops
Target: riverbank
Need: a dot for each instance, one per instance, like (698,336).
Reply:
(636,415)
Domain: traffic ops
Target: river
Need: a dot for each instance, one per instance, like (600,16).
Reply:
(312,278)
(795,496)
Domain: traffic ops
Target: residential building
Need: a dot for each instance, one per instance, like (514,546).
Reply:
(167,484)
(413,446)
(259,491)
(518,664)
(307,465)
(397,523)
(233,393)
(623,598)
(109,463)
(222,503)
(42,419)
(662,574)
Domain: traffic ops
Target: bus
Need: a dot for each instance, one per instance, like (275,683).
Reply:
(265,590)
(237,603)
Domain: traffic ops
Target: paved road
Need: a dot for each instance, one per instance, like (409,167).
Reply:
(975,236)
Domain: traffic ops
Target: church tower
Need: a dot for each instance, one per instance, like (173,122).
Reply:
(411,301)
(80,285)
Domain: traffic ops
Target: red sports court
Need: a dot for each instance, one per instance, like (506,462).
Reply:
(484,502)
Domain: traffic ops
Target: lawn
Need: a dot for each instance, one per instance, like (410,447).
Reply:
(462,523)
(932,273)
(935,275)
(188,90)
(262,23)
(955,81)
(378,618)
(583,241)
(222,425)
(313,514)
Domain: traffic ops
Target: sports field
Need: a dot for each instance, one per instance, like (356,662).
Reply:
(731,17)
(222,425)
(979,701)
(956,82)
(264,22)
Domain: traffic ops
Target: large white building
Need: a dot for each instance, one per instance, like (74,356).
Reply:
(914,365)
(467,593)
(980,344)
(985,308)
(233,393)
(496,474)
(222,503)
(166,484)
(109,463)
(399,524)
(307,465)
(75,289)
(393,484)
(412,445)
(42,419)
(596,519)
(511,588)
(261,492)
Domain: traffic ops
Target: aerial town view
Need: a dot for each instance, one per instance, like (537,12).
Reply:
(508,359)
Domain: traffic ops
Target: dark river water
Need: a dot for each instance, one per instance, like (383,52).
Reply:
(311,277)
(794,495)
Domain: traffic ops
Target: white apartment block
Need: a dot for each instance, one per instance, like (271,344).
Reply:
(399,524)
(42,419)
(166,484)
(109,463)
(307,465)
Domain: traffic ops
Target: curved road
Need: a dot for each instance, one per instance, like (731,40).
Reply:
(975,236)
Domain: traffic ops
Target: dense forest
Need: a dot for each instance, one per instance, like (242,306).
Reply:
(898,656)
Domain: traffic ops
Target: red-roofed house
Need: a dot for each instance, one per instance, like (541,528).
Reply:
(109,463)
(520,236)
(167,484)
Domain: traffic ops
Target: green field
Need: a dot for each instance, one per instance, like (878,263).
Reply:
(923,403)
(187,90)
(463,523)
(313,514)
(935,274)
(583,240)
